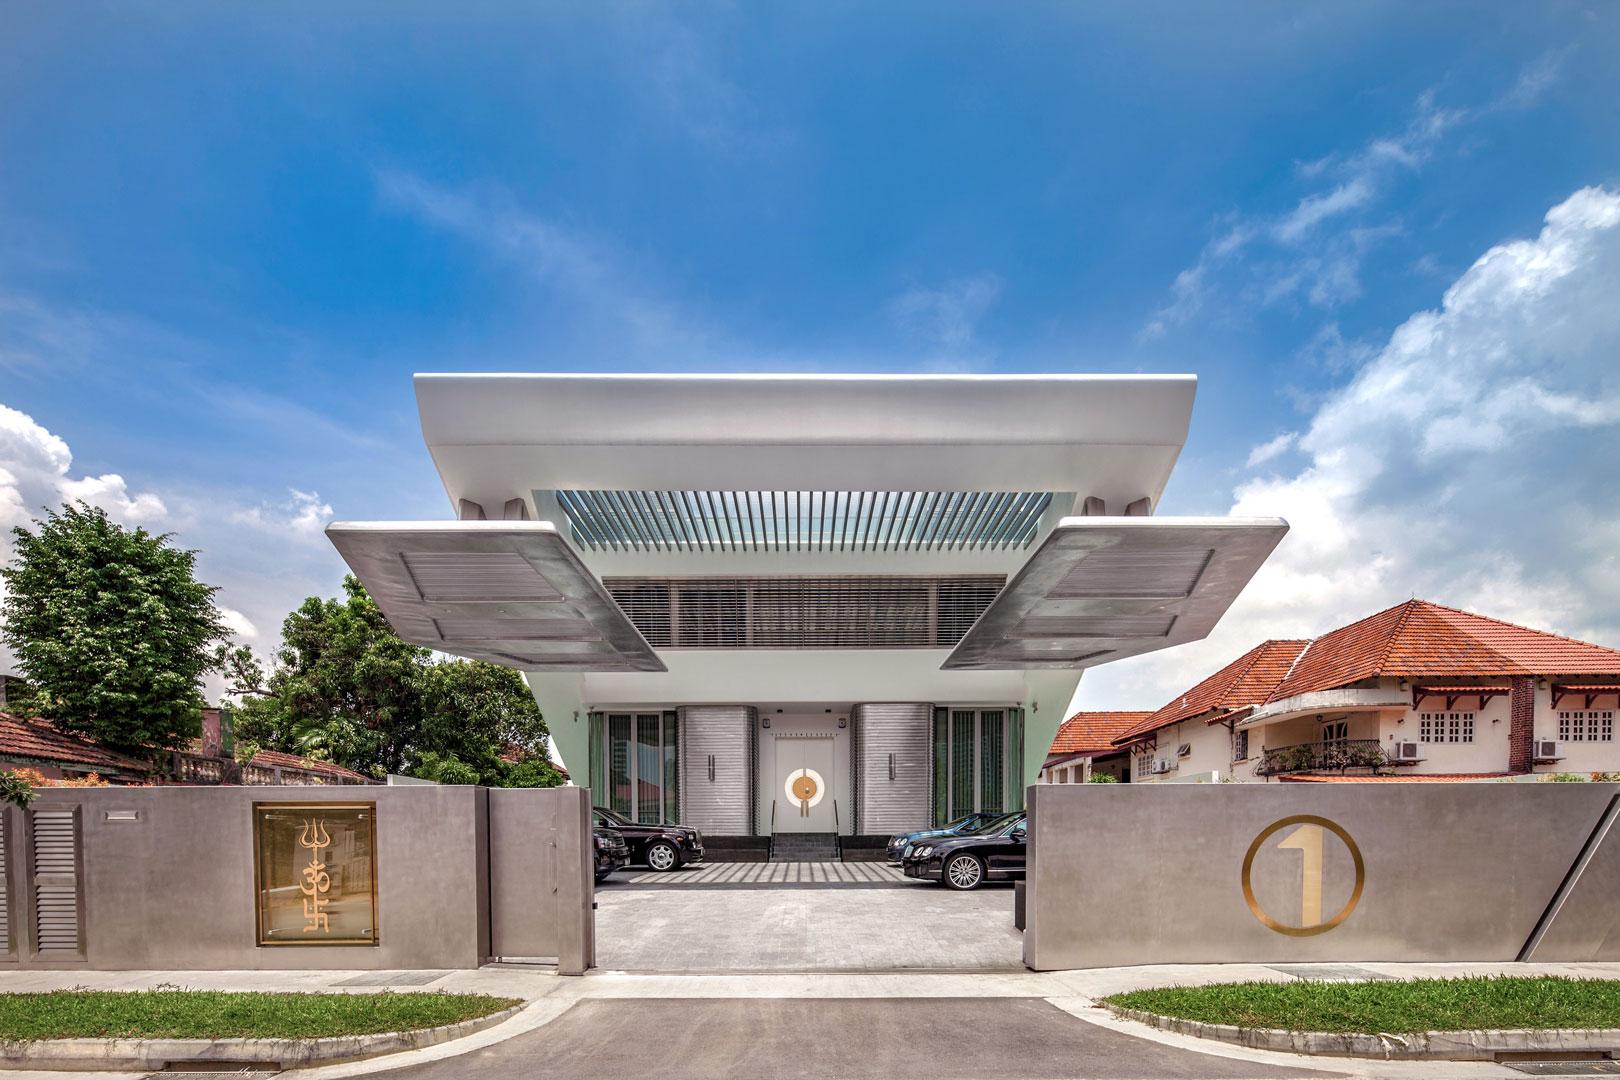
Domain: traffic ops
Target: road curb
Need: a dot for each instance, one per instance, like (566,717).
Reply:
(1411,1046)
(113,1055)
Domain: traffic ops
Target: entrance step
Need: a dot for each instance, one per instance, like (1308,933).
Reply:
(804,847)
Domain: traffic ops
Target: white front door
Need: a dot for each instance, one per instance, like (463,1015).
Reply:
(804,785)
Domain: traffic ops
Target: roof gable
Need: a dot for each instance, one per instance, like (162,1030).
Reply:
(1086,732)
(1246,681)
(1423,639)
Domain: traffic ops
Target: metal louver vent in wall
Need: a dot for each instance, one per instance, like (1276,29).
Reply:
(55,868)
(852,612)
(9,944)
(803,520)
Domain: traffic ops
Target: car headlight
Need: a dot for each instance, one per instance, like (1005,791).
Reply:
(923,852)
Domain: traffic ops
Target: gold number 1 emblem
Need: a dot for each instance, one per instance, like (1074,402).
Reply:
(1308,839)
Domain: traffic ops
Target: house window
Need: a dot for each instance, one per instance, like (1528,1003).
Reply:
(1240,745)
(1335,731)
(1586,726)
(1446,727)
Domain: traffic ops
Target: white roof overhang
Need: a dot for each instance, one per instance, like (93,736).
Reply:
(513,593)
(497,437)
(1102,588)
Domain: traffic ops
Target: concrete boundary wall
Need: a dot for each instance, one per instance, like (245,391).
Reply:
(164,878)
(1279,873)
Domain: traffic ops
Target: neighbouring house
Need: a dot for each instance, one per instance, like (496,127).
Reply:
(33,743)
(1084,747)
(27,743)
(1419,691)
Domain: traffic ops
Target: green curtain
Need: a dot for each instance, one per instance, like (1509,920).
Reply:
(942,794)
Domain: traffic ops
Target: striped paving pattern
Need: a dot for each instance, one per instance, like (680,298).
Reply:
(719,875)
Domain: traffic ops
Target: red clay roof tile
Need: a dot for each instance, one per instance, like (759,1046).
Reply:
(1426,640)
(34,739)
(1246,681)
(1093,732)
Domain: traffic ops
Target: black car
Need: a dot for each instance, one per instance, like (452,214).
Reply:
(896,848)
(661,847)
(610,850)
(994,852)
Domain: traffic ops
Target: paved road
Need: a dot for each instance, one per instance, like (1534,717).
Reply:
(834,1039)
(867,919)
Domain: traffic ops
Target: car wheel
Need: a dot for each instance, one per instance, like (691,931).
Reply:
(602,875)
(963,872)
(663,856)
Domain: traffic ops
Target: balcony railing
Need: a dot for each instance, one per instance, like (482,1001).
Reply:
(1336,756)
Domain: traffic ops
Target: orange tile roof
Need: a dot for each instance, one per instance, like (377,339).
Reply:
(1423,639)
(1245,682)
(34,739)
(1093,732)
(1398,778)
(271,759)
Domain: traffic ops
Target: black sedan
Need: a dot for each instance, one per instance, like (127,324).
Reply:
(994,852)
(610,850)
(661,847)
(896,848)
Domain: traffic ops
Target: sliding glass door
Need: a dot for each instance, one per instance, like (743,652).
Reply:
(978,762)
(635,766)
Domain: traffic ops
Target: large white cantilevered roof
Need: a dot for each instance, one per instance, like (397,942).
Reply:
(513,593)
(1102,588)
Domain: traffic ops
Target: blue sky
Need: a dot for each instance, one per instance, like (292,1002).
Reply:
(230,233)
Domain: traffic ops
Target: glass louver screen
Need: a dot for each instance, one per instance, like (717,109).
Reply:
(868,611)
(803,520)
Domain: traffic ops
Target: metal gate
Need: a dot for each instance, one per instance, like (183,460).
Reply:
(542,889)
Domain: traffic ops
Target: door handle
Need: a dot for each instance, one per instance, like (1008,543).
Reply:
(891,766)
(711,768)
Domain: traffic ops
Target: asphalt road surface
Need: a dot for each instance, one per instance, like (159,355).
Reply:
(837,1039)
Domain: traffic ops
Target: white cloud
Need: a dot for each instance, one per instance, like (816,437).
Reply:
(1469,460)
(1272,448)
(34,477)
(301,516)
(239,624)
(946,317)
(1314,251)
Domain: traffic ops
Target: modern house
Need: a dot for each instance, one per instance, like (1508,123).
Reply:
(1084,747)
(1416,692)
(819,604)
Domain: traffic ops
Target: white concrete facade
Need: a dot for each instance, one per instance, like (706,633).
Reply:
(797,506)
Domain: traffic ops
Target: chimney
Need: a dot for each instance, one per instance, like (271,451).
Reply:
(1521,723)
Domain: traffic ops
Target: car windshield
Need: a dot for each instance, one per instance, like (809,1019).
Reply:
(608,817)
(996,825)
(967,823)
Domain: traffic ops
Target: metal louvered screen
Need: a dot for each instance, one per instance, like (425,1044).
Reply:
(5,884)
(55,867)
(718,768)
(892,773)
(865,612)
(803,520)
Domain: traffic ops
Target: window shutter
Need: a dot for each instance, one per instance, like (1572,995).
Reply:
(57,930)
(6,939)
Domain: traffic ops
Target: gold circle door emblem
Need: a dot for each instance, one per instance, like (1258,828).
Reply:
(804,788)
(1308,839)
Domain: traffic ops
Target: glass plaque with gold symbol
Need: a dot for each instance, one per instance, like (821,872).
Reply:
(316,873)
(1303,875)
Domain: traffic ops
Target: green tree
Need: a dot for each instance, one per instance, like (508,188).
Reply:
(346,689)
(111,628)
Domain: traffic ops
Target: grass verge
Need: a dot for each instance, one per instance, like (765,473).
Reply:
(1465,1004)
(211,1014)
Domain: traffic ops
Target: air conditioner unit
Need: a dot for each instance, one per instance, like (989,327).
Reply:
(1407,751)
(1160,765)
(1184,749)
(1548,750)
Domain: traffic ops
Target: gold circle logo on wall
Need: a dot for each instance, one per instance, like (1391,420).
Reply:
(1309,839)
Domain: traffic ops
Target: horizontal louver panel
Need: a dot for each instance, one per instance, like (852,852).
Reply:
(56,885)
(803,520)
(6,940)
(856,612)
